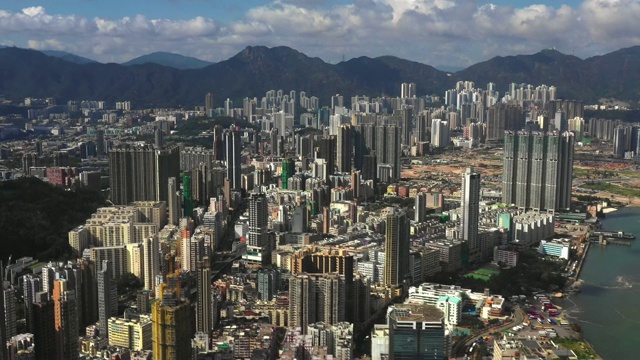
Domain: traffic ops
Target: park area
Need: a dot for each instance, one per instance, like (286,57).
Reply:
(483,274)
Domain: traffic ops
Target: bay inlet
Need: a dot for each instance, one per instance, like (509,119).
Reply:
(608,306)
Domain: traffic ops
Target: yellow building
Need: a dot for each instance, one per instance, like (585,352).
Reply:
(171,323)
(133,334)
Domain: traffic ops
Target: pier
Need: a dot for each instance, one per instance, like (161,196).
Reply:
(614,235)
(612,242)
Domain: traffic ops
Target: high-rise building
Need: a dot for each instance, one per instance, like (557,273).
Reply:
(66,321)
(208,103)
(171,326)
(345,148)
(300,219)
(3,322)
(151,262)
(408,90)
(470,206)
(501,118)
(44,326)
(187,197)
(204,307)
(107,297)
(233,146)
(99,142)
(327,150)
(416,332)
(268,284)
(142,172)
(421,207)
(258,237)
(538,170)
(288,170)
(30,287)
(396,247)
(388,147)
(173,202)
(404,118)
(423,125)
(89,286)
(364,141)
(117,256)
(619,142)
(440,137)
(10,305)
(337,101)
(315,298)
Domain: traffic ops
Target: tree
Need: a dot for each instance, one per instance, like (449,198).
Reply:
(128,282)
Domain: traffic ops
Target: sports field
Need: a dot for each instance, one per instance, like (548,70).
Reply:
(482,274)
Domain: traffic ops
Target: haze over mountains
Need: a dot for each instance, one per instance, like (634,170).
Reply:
(169,59)
(258,69)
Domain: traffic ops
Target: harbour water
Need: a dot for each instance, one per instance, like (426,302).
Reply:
(608,306)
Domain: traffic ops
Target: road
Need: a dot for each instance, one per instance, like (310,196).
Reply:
(517,320)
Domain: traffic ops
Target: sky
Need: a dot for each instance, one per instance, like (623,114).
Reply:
(452,33)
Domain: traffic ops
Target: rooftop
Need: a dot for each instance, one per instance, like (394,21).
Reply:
(415,313)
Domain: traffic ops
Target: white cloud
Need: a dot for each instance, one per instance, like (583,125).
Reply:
(48,44)
(430,31)
(33,11)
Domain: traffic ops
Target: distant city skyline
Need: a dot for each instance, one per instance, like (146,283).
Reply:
(435,32)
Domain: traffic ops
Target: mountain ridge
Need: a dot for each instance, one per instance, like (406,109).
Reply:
(257,69)
(173,60)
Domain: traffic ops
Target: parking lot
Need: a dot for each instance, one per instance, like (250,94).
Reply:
(544,321)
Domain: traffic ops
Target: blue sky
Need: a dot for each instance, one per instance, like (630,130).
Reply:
(437,32)
(184,9)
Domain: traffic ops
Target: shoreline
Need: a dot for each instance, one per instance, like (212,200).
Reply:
(574,288)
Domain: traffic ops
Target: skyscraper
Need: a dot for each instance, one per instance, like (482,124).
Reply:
(258,236)
(388,147)
(470,206)
(187,197)
(345,148)
(288,169)
(151,262)
(364,142)
(421,207)
(538,170)
(439,133)
(173,201)
(407,90)
(404,117)
(268,284)
(30,287)
(208,104)
(327,150)
(142,172)
(3,323)
(314,298)
(107,297)
(89,285)
(171,321)
(66,321)
(396,247)
(233,145)
(44,326)
(204,306)
(9,309)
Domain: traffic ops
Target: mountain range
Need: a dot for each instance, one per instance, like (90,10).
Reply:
(169,59)
(255,70)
